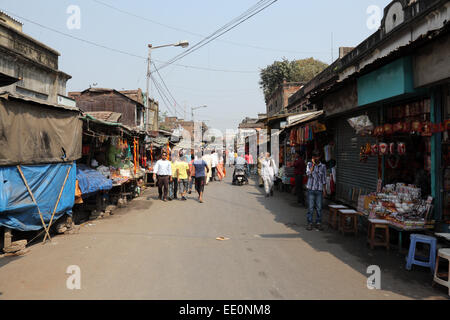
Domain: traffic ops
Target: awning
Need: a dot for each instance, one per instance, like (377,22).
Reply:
(302,118)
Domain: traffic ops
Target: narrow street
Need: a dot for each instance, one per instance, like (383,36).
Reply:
(157,250)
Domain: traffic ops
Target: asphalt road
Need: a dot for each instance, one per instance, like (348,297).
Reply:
(157,250)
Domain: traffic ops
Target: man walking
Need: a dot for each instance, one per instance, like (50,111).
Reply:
(200,166)
(182,168)
(191,173)
(214,163)
(173,184)
(260,160)
(268,170)
(299,172)
(163,169)
(207,158)
(316,172)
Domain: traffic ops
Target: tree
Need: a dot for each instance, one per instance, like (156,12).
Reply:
(290,71)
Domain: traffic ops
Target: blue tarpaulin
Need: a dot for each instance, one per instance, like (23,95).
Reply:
(17,209)
(90,180)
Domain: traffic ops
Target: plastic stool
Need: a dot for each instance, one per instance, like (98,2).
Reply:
(411,258)
(445,254)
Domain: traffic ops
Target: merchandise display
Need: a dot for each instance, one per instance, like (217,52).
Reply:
(400,204)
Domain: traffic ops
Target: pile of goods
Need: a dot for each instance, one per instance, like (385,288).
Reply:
(400,204)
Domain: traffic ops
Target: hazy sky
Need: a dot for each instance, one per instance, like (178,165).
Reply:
(290,28)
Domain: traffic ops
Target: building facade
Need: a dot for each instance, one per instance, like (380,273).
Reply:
(279,100)
(33,64)
(127,103)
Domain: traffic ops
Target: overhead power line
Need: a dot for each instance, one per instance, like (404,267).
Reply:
(202,35)
(167,89)
(258,7)
(163,96)
(122,51)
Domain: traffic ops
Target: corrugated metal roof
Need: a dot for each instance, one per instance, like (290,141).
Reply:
(302,118)
(108,116)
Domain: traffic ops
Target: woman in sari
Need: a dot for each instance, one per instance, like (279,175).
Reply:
(220,169)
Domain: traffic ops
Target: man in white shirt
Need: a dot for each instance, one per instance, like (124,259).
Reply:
(208,159)
(163,169)
(214,163)
(268,170)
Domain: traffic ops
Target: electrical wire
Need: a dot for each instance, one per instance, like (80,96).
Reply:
(165,86)
(257,8)
(122,51)
(163,96)
(201,35)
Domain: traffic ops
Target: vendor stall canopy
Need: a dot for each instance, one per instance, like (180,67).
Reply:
(302,118)
(33,132)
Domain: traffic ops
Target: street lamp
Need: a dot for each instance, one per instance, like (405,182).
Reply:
(195,108)
(183,44)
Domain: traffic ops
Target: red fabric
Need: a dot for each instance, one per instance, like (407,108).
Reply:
(332,185)
(300,167)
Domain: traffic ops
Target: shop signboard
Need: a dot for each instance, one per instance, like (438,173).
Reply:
(391,80)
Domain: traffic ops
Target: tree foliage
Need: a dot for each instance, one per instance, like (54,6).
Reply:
(290,71)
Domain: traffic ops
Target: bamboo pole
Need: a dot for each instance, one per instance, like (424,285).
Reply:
(57,201)
(34,200)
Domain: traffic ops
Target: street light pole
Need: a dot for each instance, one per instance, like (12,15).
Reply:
(148,85)
(195,108)
(182,44)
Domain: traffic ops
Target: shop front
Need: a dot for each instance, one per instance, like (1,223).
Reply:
(305,133)
(109,171)
(402,146)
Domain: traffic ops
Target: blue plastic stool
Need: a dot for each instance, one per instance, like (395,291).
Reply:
(411,258)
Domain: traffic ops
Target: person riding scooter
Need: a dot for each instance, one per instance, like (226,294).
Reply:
(240,164)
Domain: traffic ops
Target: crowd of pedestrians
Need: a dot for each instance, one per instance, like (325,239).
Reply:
(176,178)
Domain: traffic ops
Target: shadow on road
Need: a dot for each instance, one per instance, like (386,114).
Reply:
(351,250)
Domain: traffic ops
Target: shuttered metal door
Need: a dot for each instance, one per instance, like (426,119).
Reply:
(354,177)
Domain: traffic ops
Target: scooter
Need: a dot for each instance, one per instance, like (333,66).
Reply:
(240,177)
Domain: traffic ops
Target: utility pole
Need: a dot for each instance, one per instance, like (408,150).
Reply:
(182,44)
(148,93)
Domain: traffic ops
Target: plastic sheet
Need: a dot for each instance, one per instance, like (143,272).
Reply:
(91,181)
(17,209)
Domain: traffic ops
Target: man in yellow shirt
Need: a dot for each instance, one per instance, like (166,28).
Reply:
(173,184)
(183,174)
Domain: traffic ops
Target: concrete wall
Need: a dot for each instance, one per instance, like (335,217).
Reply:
(342,100)
(431,63)
(34,63)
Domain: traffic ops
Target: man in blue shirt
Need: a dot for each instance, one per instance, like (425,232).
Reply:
(317,179)
(201,169)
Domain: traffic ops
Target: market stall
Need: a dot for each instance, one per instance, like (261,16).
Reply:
(401,206)
(115,152)
(305,133)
